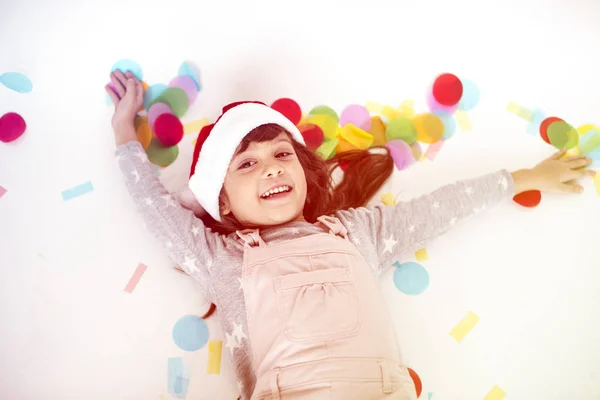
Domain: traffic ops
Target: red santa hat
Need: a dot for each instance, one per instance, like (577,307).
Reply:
(216,145)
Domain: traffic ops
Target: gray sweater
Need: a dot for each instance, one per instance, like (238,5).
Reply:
(380,233)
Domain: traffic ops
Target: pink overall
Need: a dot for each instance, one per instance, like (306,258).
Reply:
(317,322)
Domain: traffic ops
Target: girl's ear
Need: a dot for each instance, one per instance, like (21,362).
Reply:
(188,201)
(225,208)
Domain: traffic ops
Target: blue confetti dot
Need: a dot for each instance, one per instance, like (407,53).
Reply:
(470,96)
(411,278)
(188,70)
(128,66)
(152,93)
(533,128)
(448,121)
(16,81)
(190,333)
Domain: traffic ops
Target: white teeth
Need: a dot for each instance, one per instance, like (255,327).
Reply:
(275,191)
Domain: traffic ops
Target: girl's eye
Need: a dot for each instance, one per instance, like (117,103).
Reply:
(246,165)
(284,154)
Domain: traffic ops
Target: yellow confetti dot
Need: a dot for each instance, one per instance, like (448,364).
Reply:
(422,255)
(464,326)
(463,120)
(356,136)
(390,113)
(495,394)
(374,108)
(343,145)
(519,111)
(407,109)
(430,128)
(195,126)
(327,124)
(388,199)
(215,349)
(586,128)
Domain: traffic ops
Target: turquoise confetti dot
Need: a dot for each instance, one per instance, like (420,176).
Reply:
(448,121)
(16,81)
(188,70)
(190,333)
(128,66)
(152,93)
(533,128)
(411,278)
(470,96)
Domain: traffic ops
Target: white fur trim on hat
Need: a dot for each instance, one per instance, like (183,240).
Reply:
(220,145)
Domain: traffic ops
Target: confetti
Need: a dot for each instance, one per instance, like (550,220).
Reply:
(126,65)
(356,136)
(435,106)
(538,116)
(388,199)
(215,349)
(135,278)
(411,278)
(401,154)
(589,142)
(175,98)
(186,68)
(12,126)
(430,395)
(326,110)
(417,152)
(186,84)
(328,148)
(529,199)
(422,255)
(152,94)
(160,155)
(449,123)
(374,107)
(447,89)
(144,134)
(326,122)
(495,394)
(178,378)
(407,109)
(190,333)
(430,128)
(357,115)
(77,191)
(378,131)
(519,111)
(544,127)
(155,111)
(463,120)
(2,191)
(416,380)
(464,326)
(562,135)
(195,126)
(289,108)
(313,135)
(401,129)
(16,81)
(470,96)
(434,149)
(168,129)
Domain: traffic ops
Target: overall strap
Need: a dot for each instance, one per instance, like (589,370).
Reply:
(250,238)
(334,225)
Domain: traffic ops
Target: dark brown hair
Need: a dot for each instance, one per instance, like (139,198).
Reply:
(365,173)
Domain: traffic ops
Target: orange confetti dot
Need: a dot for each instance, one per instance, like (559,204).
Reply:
(417,381)
(344,145)
(378,131)
(144,134)
(430,128)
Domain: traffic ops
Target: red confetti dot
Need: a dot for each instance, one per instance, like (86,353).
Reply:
(313,135)
(12,126)
(530,198)
(289,108)
(545,125)
(344,165)
(447,89)
(417,381)
(168,129)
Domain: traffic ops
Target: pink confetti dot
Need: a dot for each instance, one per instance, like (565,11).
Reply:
(156,110)
(187,84)
(12,126)
(357,115)
(401,153)
(434,105)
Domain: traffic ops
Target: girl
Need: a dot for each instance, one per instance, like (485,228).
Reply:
(289,261)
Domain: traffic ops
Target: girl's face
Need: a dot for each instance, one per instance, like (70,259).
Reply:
(265,184)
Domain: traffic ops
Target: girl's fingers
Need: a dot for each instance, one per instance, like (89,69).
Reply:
(572,158)
(121,77)
(113,96)
(139,92)
(571,187)
(118,85)
(130,87)
(579,162)
(557,155)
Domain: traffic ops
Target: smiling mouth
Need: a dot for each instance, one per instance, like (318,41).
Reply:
(276,193)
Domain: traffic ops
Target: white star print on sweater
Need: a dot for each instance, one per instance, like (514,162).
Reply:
(380,233)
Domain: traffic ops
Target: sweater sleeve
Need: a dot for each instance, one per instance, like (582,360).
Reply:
(384,233)
(184,237)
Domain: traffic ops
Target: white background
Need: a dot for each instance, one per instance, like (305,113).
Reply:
(69,331)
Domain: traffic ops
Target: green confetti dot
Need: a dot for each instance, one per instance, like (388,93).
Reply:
(174,97)
(161,155)
(327,149)
(562,135)
(401,129)
(325,110)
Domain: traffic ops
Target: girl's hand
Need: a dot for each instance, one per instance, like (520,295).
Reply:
(127,100)
(554,175)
